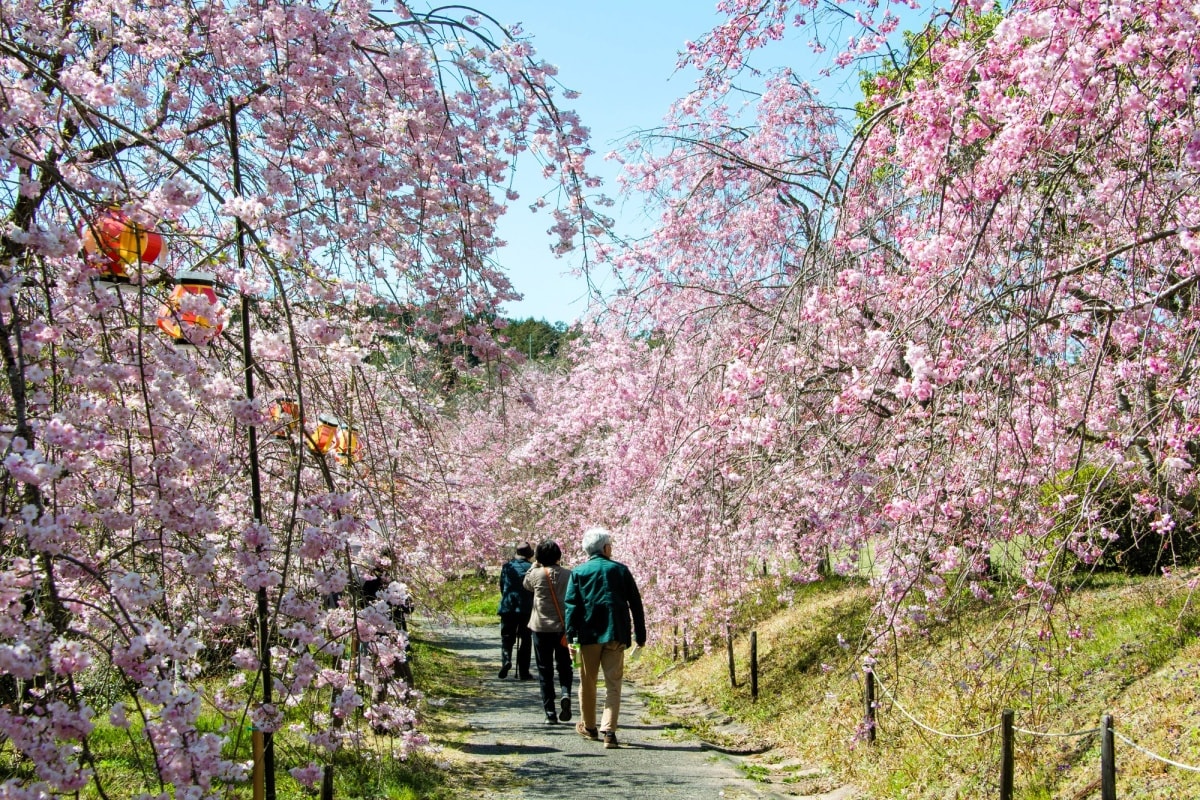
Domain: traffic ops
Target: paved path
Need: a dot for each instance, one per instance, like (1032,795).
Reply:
(553,761)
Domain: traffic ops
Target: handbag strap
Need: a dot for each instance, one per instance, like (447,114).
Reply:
(554,597)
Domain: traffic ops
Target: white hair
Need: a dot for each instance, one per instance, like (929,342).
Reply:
(595,540)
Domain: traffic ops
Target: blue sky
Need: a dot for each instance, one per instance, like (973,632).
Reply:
(620,55)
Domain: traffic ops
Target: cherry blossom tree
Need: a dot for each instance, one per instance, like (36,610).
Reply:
(170,529)
(953,331)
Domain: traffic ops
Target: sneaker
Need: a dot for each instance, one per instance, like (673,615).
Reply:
(504,671)
(565,708)
(585,732)
(610,740)
(551,719)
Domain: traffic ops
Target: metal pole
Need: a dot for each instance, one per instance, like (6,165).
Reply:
(1006,755)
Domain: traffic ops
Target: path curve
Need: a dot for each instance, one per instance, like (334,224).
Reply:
(655,760)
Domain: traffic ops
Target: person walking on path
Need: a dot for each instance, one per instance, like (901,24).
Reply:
(548,582)
(516,605)
(602,596)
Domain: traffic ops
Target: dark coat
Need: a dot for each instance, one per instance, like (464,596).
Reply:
(601,597)
(514,597)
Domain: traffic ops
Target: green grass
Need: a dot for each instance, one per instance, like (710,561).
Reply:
(1125,646)
(1115,645)
(374,769)
(472,599)
(754,772)
(439,674)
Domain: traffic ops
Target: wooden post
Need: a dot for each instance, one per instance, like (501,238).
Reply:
(754,664)
(327,783)
(1006,755)
(1108,760)
(729,651)
(259,774)
(870,706)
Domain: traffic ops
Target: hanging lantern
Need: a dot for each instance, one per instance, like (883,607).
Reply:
(347,445)
(192,313)
(285,413)
(327,428)
(114,242)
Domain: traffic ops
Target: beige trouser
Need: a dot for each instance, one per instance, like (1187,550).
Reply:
(594,658)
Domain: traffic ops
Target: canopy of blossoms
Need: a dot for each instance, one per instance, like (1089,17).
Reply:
(246,248)
(951,328)
(953,324)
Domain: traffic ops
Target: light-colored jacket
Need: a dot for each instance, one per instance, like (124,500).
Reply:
(545,618)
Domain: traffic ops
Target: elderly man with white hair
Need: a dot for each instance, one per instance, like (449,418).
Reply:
(604,616)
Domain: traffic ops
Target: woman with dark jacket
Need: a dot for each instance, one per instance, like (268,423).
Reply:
(516,603)
(548,582)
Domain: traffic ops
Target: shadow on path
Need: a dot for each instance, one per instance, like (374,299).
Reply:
(553,761)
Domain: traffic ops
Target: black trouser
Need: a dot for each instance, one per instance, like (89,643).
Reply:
(549,650)
(514,629)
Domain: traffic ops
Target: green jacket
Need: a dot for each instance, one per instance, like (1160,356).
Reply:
(601,597)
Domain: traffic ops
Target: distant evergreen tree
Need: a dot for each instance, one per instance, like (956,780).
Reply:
(536,339)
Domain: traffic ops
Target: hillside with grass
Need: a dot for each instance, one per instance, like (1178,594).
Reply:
(1118,645)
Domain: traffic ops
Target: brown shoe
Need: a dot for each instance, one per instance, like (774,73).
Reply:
(610,740)
(586,732)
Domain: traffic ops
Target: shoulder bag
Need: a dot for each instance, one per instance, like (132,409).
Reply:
(557,607)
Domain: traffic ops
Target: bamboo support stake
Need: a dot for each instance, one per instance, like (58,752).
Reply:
(256,744)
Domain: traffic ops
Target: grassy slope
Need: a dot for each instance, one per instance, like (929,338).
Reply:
(1125,647)
(1121,646)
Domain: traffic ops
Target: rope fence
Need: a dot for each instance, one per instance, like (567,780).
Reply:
(1049,735)
(1008,731)
(1108,783)
(1154,755)
(935,731)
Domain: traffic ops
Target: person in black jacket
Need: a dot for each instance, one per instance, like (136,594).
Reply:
(516,605)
